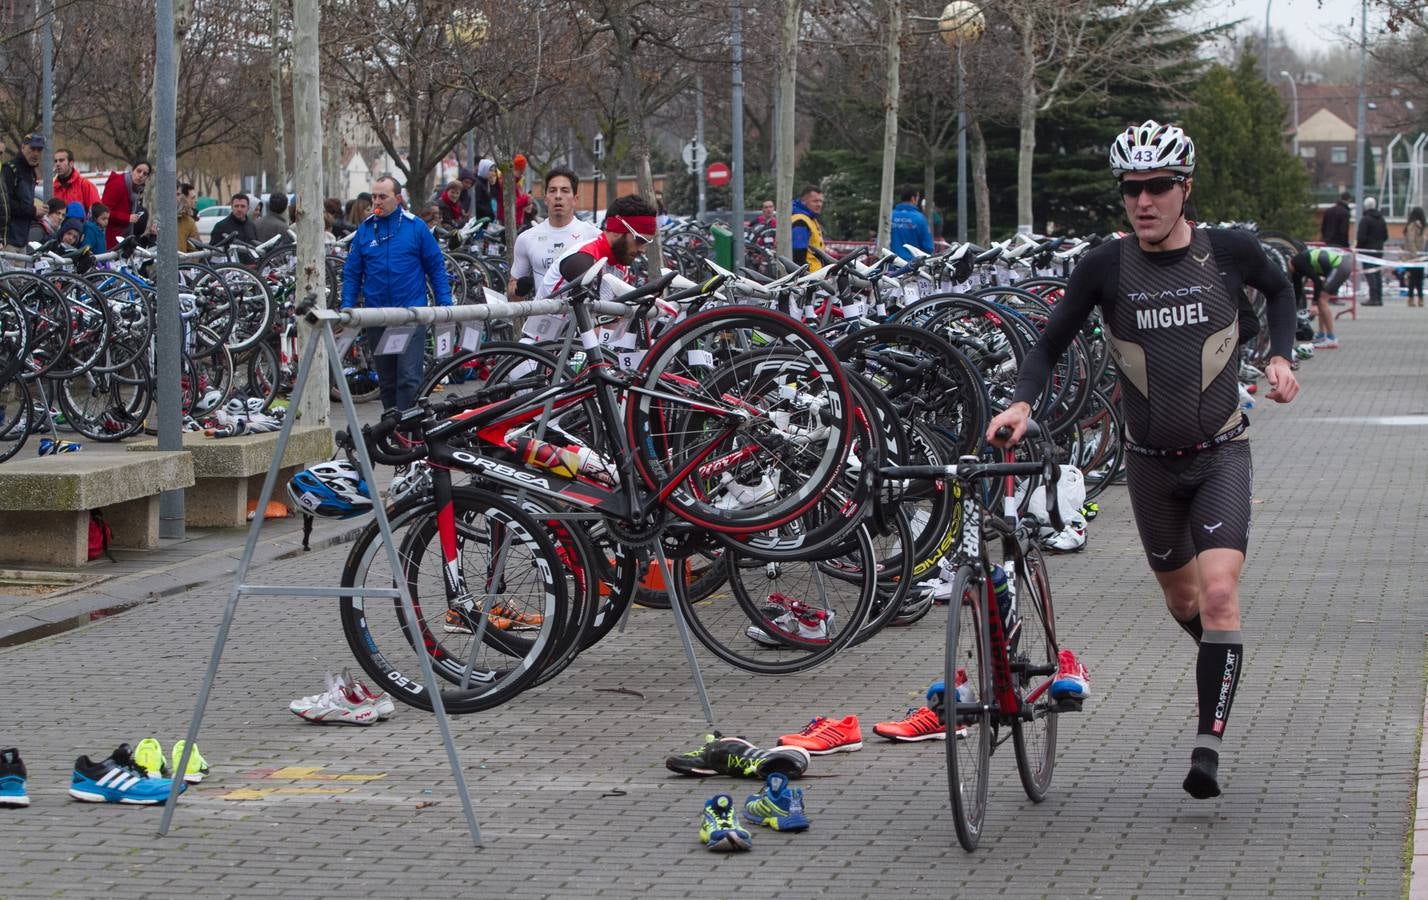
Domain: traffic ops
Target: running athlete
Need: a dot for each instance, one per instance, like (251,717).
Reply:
(629,227)
(1328,269)
(541,245)
(1168,297)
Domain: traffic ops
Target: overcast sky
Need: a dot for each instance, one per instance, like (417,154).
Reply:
(1307,24)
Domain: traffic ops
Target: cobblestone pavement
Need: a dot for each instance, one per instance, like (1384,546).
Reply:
(1320,760)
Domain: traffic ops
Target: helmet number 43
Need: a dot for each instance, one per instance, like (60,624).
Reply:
(1143,155)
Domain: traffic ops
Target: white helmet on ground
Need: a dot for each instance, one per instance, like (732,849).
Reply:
(1150,146)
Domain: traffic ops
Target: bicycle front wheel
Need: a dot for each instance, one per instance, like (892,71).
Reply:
(968,720)
(1033,666)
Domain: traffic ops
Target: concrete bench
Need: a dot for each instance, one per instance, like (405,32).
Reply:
(45,503)
(228,472)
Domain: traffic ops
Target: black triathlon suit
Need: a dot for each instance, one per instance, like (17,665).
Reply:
(1172,326)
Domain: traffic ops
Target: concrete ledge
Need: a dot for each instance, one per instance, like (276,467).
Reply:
(76,482)
(45,503)
(229,471)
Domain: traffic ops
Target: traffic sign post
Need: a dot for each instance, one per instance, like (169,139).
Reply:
(694,155)
(718,174)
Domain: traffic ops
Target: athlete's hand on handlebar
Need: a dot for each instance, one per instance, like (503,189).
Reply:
(1014,418)
(1284,385)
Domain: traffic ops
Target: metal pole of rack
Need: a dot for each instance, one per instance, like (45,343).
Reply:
(323,333)
(165,192)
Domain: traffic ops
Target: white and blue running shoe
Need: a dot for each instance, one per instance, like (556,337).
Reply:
(117,780)
(12,779)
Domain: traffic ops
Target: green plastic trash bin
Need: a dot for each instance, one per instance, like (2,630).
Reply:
(723,245)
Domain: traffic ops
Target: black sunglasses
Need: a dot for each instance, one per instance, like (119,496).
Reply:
(1156,186)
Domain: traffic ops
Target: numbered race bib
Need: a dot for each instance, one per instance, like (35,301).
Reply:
(543,328)
(471,337)
(630,359)
(445,341)
(394,341)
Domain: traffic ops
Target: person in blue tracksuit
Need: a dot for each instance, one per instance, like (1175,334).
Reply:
(392,259)
(909,225)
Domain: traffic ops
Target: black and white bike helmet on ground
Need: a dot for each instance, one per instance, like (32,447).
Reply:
(1151,146)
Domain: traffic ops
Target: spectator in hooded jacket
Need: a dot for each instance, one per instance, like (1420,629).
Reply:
(94,227)
(484,191)
(124,195)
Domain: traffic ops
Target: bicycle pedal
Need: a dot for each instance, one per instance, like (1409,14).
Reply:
(1069,704)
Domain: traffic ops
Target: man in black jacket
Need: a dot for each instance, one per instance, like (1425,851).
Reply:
(1372,235)
(18,178)
(235,225)
(1335,227)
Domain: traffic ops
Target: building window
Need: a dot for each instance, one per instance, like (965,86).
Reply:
(1308,151)
(1338,155)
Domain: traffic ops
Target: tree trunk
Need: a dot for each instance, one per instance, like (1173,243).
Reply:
(275,78)
(981,196)
(313,406)
(639,124)
(891,94)
(785,140)
(929,189)
(1026,145)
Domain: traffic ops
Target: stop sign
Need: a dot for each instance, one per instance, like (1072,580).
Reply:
(718,174)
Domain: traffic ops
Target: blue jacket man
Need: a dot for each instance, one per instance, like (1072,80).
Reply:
(909,225)
(390,262)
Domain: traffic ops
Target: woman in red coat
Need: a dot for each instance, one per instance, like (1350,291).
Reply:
(124,195)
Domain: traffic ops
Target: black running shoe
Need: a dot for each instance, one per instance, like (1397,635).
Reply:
(12,779)
(1203,781)
(739,758)
(117,780)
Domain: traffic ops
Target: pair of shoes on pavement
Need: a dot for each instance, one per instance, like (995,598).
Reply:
(791,622)
(149,757)
(734,756)
(119,779)
(502,618)
(346,701)
(1326,342)
(777,806)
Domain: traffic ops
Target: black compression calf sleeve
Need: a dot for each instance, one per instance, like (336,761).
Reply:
(1217,674)
(1192,627)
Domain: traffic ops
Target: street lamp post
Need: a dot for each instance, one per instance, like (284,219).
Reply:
(1267,5)
(961,23)
(1293,92)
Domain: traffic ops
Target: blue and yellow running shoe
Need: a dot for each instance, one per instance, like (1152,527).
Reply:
(12,779)
(721,830)
(777,806)
(117,780)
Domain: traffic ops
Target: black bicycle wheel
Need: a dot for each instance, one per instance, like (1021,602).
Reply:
(15,415)
(480,675)
(1033,666)
(968,720)
(777,618)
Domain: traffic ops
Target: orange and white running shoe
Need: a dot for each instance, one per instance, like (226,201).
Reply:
(824,736)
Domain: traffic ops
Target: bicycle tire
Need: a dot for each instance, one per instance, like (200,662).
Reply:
(1033,664)
(968,758)
(15,413)
(721,623)
(377,643)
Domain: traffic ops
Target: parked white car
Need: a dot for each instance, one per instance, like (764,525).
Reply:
(210,217)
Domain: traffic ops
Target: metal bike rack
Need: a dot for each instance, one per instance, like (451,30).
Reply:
(361,319)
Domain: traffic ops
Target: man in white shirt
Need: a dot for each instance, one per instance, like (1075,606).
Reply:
(538,247)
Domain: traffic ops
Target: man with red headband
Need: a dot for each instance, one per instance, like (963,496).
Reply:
(629,228)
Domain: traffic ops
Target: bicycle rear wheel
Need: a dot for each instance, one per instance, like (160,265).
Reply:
(969,757)
(1033,666)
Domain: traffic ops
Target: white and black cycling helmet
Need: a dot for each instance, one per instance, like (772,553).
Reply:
(333,489)
(1150,146)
